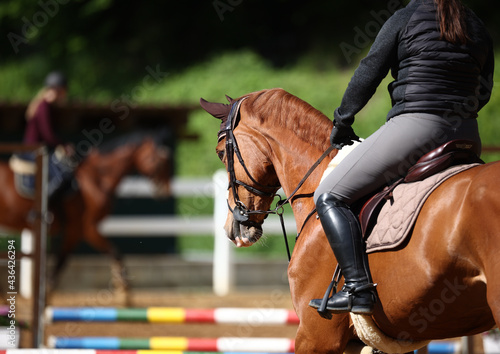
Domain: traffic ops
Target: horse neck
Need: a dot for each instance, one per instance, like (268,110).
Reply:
(292,158)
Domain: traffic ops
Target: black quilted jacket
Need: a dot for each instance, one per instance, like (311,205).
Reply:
(430,75)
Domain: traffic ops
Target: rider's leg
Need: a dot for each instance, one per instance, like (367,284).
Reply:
(342,230)
(61,180)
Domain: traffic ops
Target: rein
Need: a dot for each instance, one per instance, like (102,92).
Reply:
(240,212)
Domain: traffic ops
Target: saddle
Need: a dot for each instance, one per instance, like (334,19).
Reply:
(24,175)
(452,153)
(60,175)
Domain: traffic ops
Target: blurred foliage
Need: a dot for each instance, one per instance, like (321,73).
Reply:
(202,48)
(106,44)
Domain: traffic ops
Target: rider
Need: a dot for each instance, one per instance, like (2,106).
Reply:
(441,59)
(39,130)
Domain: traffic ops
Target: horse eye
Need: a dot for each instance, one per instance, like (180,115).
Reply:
(221,154)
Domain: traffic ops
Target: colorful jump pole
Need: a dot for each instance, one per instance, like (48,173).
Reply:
(437,347)
(98,351)
(223,344)
(225,315)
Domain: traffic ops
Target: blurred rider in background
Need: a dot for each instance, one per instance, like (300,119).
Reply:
(39,130)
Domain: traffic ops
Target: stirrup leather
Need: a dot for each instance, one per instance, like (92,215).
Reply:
(354,290)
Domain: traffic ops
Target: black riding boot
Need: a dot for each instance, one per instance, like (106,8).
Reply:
(344,235)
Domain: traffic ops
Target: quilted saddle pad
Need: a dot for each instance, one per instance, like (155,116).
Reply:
(398,215)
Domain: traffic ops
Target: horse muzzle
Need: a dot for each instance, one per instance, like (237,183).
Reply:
(244,232)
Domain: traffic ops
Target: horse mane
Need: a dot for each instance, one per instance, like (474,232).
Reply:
(290,112)
(160,137)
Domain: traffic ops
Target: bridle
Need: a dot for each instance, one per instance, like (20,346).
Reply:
(241,213)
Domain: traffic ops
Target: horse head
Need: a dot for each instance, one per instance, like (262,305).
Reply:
(252,180)
(153,159)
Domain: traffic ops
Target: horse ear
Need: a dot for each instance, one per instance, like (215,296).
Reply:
(218,110)
(229,99)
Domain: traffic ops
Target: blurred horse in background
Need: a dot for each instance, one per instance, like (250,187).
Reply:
(442,283)
(77,215)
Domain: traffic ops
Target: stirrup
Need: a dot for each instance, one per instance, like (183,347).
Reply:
(323,312)
(326,313)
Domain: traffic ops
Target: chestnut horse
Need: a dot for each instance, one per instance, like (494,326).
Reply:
(98,175)
(443,283)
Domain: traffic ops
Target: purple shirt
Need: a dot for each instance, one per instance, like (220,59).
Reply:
(39,127)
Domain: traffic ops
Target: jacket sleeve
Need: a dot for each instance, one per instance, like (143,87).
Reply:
(371,70)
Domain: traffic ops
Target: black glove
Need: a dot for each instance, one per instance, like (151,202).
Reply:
(342,135)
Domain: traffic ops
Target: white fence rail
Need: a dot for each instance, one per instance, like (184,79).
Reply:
(131,187)
(170,225)
(161,226)
(164,226)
